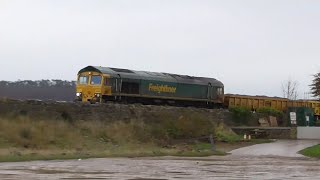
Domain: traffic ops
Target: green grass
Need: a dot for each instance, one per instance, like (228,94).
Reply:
(313,151)
(34,157)
(180,150)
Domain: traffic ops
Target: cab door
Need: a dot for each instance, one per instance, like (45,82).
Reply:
(107,86)
(210,92)
(118,87)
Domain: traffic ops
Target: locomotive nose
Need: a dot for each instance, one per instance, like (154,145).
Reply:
(91,95)
(88,95)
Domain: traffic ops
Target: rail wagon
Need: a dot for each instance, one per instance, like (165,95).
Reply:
(257,102)
(101,84)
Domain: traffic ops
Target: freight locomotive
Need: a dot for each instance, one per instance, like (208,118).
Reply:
(101,84)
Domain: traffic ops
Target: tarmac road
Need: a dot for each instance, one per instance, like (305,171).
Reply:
(284,148)
(273,164)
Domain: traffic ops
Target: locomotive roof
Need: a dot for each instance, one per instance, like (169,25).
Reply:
(156,76)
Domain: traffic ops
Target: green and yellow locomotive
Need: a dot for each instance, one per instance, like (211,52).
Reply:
(101,84)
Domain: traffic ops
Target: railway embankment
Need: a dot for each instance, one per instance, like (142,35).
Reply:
(109,112)
(60,130)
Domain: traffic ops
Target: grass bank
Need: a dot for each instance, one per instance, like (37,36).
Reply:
(24,139)
(313,151)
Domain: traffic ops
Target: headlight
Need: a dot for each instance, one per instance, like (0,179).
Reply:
(97,95)
(78,94)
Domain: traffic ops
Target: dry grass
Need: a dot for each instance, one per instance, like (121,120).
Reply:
(22,138)
(38,134)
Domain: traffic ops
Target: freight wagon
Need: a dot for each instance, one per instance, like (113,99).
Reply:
(257,102)
(102,84)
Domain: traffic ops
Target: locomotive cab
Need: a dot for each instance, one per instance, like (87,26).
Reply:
(91,86)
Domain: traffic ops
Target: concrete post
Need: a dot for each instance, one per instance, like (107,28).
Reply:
(213,148)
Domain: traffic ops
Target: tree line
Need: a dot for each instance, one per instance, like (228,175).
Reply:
(57,90)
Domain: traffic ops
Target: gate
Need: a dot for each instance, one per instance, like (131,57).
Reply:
(308,132)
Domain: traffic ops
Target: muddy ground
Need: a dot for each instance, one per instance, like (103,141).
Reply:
(272,164)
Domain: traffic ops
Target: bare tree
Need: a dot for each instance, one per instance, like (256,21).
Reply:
(315,86)
(289,89)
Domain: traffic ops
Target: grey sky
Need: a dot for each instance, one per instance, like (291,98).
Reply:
(251,46)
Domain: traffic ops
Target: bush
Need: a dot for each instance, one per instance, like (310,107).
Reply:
(270,112)
(241,115)
(25,133)
(224,134)
(192,126)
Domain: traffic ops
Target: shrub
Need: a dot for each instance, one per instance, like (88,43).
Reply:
(25,133)
(67,117)
(270,112)
(225,135)
(193,126)
(241,115)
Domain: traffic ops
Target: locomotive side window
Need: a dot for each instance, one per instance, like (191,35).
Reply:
(83,80)
(96,80)
(130,87)
(219,91)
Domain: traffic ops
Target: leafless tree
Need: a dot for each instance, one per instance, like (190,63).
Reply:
(289,89)
(315,86)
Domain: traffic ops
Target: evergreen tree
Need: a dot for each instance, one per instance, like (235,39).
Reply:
(315,86)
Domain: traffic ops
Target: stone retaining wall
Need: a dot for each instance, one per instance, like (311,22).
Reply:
(268,132)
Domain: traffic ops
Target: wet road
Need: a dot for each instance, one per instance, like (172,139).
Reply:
(236,166)
(285,148)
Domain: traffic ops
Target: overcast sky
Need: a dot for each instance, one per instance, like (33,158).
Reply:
(252,46)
